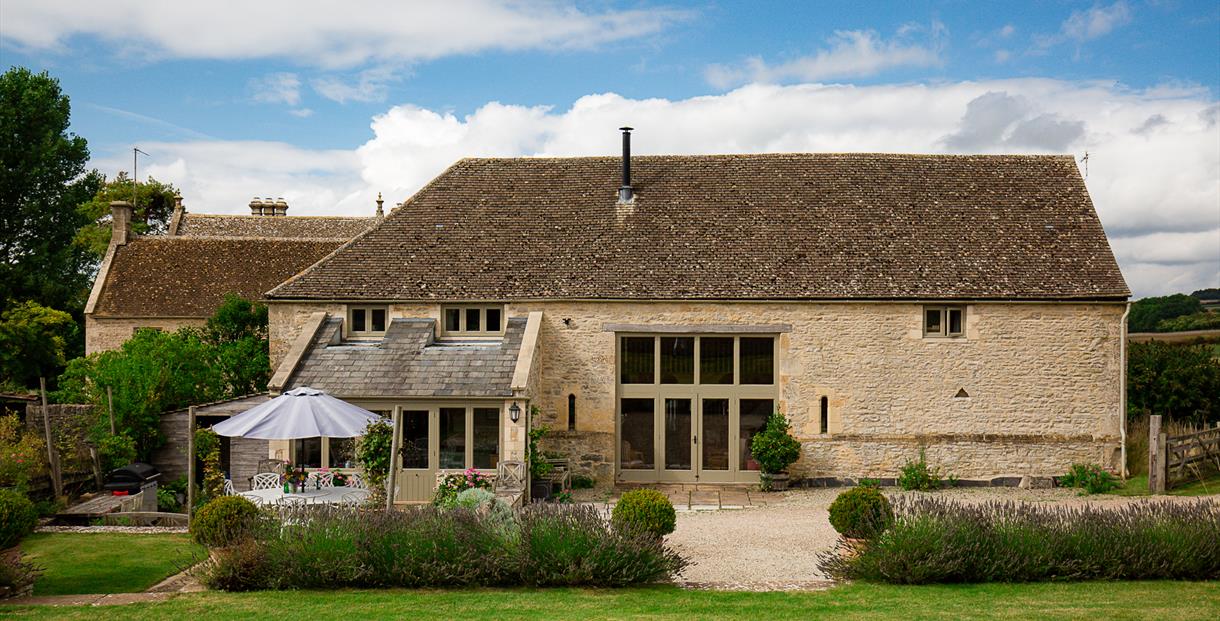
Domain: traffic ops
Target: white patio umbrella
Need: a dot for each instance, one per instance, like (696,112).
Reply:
(299,413)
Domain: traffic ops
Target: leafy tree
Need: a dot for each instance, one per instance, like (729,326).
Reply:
(1207,294)
(238,333)
(1148,312)
(1180,382)
(154,204)
(33,342)
(151,373)
(1198,321)
(237,318)
(42,181)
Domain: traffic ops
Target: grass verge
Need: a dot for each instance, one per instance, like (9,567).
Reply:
(1180,601)
(1138,486)
(75,563)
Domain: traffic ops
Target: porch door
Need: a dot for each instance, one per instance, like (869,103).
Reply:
(715,439)
(418,456)
(677,426)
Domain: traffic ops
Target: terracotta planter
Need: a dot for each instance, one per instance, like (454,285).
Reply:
(773,482)
(852,547)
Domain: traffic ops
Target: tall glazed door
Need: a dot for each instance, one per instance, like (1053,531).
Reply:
(676,446)
(418,455)
(715,438)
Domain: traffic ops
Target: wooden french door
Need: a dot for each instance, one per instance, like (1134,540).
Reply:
(418,456)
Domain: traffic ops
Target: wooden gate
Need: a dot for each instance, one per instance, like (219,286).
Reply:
(1169,456)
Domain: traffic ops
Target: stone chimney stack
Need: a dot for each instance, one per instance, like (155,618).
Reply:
(120,221)
(175,221)
(380,210)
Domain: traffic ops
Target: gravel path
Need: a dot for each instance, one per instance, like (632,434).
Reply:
(775,547)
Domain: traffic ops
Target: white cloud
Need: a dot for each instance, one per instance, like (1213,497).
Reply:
(301,113)
(274,88)
(1157,192)
(370,85)
(1087,25)
(1007,31)
(851,53)
(323,33)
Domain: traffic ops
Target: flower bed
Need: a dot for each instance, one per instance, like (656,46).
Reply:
(428,546)
(933,540)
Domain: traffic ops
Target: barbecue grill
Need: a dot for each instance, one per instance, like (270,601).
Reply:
(134,478)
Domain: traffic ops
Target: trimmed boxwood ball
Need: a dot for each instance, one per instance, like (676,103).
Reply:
(18,517)
(225,521)
(861,513)
(645,509)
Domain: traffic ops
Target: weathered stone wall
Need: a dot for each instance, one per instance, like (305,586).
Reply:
(1042,379)
(104,334)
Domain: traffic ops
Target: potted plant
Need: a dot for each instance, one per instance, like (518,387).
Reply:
(540,486)
(775,449)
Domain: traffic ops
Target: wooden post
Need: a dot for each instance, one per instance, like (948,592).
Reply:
(110,406)
(57,481)
(1156,446)
(391,479)
(190,465)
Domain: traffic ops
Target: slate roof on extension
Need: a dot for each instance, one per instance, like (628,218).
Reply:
(779,226)
(408,362)
(298,227)
(162,276)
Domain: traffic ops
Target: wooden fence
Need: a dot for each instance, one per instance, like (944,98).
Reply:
(1170,456)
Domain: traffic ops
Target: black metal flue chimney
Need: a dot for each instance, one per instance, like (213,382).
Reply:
(625,193)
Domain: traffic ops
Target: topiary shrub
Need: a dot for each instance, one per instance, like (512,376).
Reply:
(225,521)
(861,513)
(774,448)
(647,510)
(1089,478)
(18,517)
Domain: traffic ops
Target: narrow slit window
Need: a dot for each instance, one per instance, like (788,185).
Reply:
(571,412)
(825,415)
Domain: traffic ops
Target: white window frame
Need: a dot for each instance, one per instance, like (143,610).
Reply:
(368,320)
(463,330)
(944,310)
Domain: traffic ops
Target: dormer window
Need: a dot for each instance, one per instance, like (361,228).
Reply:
(366,320)
(944,321)
(472,320)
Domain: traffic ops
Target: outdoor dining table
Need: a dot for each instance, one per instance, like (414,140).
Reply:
(325,495)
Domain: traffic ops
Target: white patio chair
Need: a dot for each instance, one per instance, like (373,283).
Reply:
(355,481)
(292,502)
(265,480)
(322,479)
(351,500)
(254,498)
(229,490)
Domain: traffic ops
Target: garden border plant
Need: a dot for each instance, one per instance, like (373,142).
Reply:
(936,540)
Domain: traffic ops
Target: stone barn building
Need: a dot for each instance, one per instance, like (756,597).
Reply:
(966,306)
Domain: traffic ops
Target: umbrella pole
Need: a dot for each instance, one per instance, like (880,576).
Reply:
(392,479)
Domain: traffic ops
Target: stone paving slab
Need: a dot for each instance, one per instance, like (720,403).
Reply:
(113,599)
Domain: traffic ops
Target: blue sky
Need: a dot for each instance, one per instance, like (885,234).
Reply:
(329,107)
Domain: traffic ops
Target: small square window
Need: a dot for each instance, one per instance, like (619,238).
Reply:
(472,320)
(944,321)
(367,320)
(932,321)
(453,320)
(493,320)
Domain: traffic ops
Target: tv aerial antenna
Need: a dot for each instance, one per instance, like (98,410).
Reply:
(1084,160)
(135,176)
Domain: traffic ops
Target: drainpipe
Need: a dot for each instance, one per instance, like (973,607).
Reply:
(1122,395)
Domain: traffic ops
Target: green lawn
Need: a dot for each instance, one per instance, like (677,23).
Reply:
(1179,601)
(1138,486)
(106,562)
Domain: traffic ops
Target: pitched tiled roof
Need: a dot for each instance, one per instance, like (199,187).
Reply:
(318,227)
(408,363)
(794,226)
(160,276)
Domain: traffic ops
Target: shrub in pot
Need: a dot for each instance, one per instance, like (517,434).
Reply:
(647,510)
(775,449)
(225,521)
(18,517)
(861,513)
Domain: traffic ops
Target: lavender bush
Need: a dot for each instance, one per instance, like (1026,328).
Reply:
(934,540)
(430,547)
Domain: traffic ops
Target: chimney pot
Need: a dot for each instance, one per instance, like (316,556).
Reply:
(380,212)
(120,222)
(626,193)
(256,207)
(281,207)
